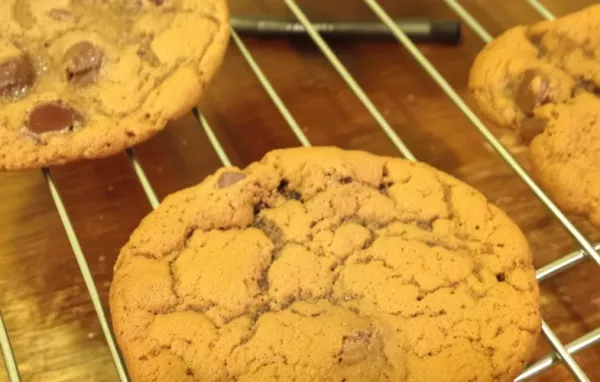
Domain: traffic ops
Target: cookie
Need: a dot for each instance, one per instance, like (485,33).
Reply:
(87,79)
(318,264)
(565,157)
(543,81)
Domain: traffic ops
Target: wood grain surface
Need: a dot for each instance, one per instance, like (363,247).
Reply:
(54,329)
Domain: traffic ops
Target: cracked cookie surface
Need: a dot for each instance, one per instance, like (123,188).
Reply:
(88,78)
(318,264)
(543,81)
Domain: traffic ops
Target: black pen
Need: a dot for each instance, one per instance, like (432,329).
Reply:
(442,31)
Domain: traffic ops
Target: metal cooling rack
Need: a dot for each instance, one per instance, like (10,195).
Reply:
(562,352)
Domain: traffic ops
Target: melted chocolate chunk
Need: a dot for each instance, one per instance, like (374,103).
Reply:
(533,91)
(83,62)
(230,178)
(16,75)
(52,116)
(531,128)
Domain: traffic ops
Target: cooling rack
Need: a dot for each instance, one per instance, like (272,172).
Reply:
(562,353)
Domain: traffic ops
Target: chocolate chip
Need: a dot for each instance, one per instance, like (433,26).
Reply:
(83,61)
(293,195)
(16,75)
(535,39)
(283,185)
(157,2)
(52,116)
(531,128)
(230,178)
(283,189)
(585,85)
(259,207)
(533,91)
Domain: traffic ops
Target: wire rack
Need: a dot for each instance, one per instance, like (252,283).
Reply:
(562,352)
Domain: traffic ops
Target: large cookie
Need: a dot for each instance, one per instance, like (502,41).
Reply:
(317,264)
(544,81)
(89,78)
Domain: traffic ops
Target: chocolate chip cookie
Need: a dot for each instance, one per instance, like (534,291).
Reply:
(543,81)
(318,264)
(86,79)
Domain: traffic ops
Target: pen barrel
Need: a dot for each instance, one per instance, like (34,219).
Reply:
(418,30)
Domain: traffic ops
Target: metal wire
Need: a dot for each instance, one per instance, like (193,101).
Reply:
(144,182)
(563,353)
(541,9)
(212,138)
(10,362)
(469,20)
(270,90)
(87,275)
(561,264)
(350,81)
(546,363)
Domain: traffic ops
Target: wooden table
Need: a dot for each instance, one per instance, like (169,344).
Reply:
(54,330)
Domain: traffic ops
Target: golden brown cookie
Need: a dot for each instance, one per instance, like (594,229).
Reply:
(317,264)
(544,81)
(88,78)
(565,157)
